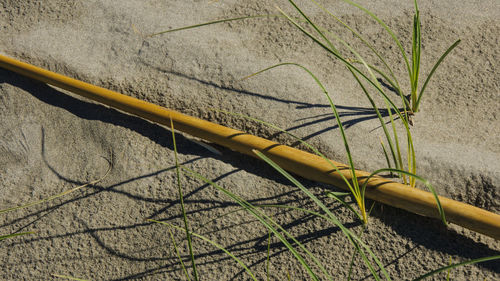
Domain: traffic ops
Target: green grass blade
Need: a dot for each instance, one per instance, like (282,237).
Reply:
(443,56)
(413,161)
(181,199)
(417,47)
(59,194)
(353,69)
(424,181)
(268,259)
(354,188)
(394,84)
(399,164)
(330,44)
(3,237)
(449,272)
(351,236)
(388,103)
(396,155)
(373,81)
(213,243)
(456,265)
(332,106)
(210,23)
(347,63)
(68,277)
(178,254)
(335,196)
(386,155)
(270,225)
(391,33)
(322,34)
(415,59)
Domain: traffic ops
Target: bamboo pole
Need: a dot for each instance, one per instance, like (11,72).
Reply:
(302,163)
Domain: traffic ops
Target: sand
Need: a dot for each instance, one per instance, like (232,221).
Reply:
(52,141)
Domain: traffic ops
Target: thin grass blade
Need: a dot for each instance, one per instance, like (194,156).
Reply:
(213,243)
(270,225)
(178,254)
(347,63)
(68,277)
(332,106)
(337,195)
(395,84)
(443,56)
(421,179)
(181,199)
(351,236)
(391,33)
(456,265)
(50,198)
(3,237)
(268,259)
(210,23)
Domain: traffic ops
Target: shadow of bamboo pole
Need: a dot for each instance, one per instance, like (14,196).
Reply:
(302,163)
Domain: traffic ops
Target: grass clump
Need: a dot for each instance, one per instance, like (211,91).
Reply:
(366,76)
(412,99)
(299,251)
(308,260)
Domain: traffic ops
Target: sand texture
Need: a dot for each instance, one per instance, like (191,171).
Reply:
(52,140)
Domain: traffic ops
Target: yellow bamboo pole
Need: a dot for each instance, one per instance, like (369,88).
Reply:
(302,163)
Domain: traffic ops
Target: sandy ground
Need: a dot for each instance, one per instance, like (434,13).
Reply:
(52,141)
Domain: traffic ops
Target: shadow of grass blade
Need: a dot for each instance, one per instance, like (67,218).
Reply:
(271,225)
(331,217)
(262,206)
(393,84)
(429,274)
(308,145)
(213,243)
(181,199)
